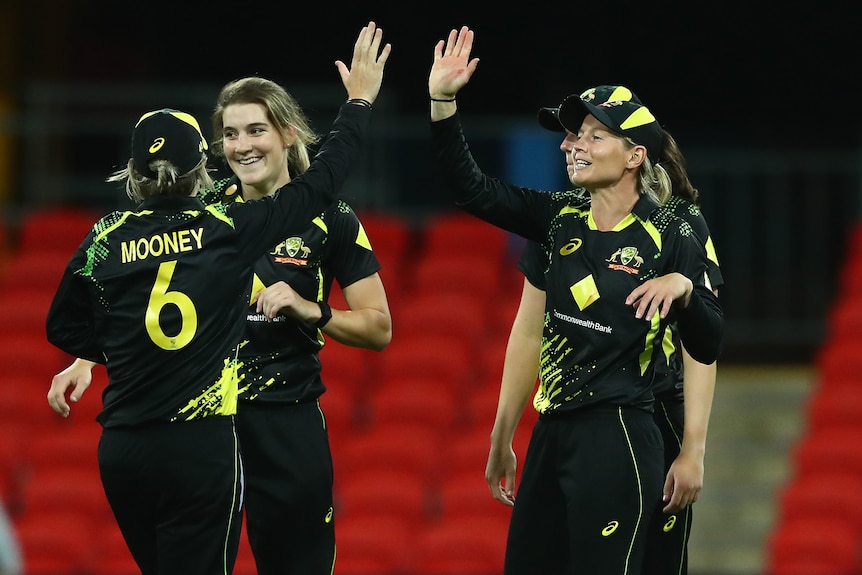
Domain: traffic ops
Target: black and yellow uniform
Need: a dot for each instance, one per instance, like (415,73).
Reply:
(281,426)
(160,296)
(667,543)
(593,469)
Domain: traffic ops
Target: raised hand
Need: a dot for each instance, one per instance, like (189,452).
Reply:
(452,67)
(365,75)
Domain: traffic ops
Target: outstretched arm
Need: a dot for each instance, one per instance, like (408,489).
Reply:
(365,75)
(451,70)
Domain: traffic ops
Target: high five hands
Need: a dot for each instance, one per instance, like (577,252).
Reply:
(452,67)
(365,75)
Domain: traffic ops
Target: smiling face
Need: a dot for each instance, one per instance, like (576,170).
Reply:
(254,149)
(597,158)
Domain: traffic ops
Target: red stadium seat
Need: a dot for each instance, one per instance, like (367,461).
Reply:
(444,314)
(410,449)
(365,492)
(840,359)
(417,400)
(58,542)
(31,356)
(455,233)
(835,406)
(831,450)
(36,272)
(24,311)
(471,276)
(58,229)
(66,488)
(471,546)
(443,358)
(813,546)
(373,544)
(845,319)
(827,494)
(73,446)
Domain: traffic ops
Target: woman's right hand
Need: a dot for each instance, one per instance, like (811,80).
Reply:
(452,66)
(365,75)
(78,377)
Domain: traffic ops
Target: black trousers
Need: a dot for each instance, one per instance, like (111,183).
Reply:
(176,490)
(289,482)
(590,484)
(667,543)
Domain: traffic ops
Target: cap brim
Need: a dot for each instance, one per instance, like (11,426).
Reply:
(573,111)
(549,119)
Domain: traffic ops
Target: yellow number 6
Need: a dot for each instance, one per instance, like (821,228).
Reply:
(159,298)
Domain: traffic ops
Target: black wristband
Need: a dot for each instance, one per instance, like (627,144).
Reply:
(325,314)
(442,100)
(360,102)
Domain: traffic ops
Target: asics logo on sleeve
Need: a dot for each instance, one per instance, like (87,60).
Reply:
(571,246)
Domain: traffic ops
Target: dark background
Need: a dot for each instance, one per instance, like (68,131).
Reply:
(757,73)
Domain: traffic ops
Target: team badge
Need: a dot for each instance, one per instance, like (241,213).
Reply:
(626,259)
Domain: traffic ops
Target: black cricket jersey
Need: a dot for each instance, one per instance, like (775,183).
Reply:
(279,360)
(159,294)
(669,372)
(594,349)
(668,381)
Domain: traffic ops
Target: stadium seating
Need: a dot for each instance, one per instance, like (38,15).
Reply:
(448,235)
(444,358)
(414,400)
(373,544)
(413,450)
(813,546)
(475,545)
(375,491)
(835,406)
(58,229)
(823,494)
(443,313)
(57,542)
(831,450)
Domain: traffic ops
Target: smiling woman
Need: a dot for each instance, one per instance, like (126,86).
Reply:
(265,139)
(608,270)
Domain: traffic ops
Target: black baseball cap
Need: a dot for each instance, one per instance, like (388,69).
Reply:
(549,118)
(623,117)
(170,135)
